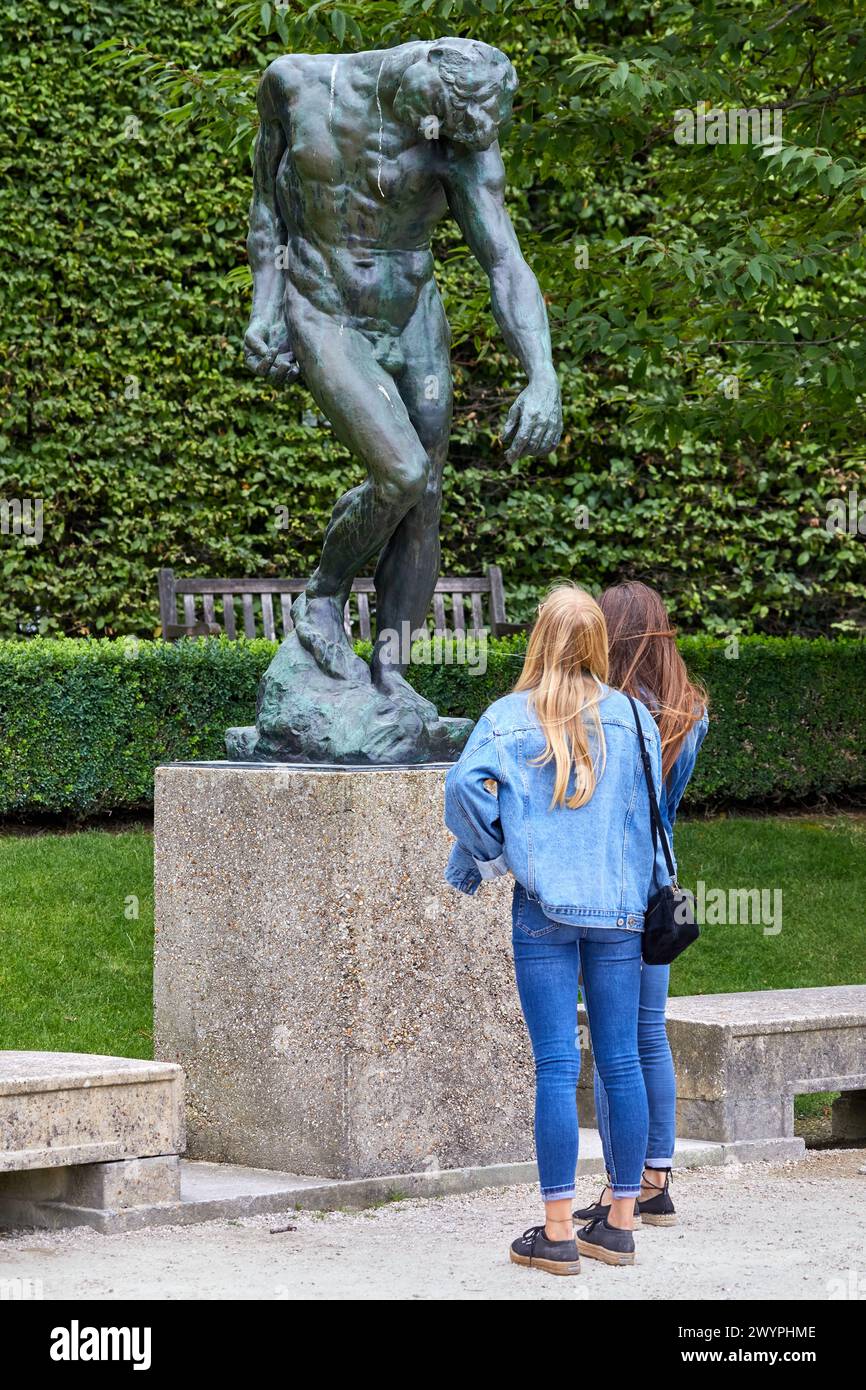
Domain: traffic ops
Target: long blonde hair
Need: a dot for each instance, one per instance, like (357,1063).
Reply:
(565,666)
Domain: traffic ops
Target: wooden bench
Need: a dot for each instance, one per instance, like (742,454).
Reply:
(266,606)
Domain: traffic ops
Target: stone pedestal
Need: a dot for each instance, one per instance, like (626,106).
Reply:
(338,1010)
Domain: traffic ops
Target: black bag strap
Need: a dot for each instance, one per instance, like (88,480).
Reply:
(656,826)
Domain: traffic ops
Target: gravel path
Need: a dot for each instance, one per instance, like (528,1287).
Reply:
(747,1231)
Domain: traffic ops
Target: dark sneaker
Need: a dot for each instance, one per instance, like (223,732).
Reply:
(599,1210)
(535,1250)
(602,1242)
(658,1210)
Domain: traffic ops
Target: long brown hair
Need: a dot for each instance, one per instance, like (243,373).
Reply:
(564,669)
(645,663)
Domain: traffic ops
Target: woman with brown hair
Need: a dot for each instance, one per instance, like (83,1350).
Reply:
(644,662)
(562,757)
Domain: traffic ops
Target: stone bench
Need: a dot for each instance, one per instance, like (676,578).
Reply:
(83,1135)
(741,1058)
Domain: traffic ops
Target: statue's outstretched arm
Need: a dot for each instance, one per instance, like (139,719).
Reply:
(475,187)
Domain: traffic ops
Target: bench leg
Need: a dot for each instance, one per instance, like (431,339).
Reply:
(849,1115)
(29,1197)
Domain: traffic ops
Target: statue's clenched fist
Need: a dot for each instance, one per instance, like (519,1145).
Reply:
(268,352)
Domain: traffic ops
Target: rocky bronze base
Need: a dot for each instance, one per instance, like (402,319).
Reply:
(304,715)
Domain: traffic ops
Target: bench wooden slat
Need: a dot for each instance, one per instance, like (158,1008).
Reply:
(477,612)
(268,617)
(240,586)
(189,609)
(457,613)
(229,616)
(249,615)
(468,584)
(438,613)
(167,601)
(497,597)
(208,608)
(286,608)
(364,617)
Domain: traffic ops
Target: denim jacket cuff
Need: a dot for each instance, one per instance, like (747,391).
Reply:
(464,882)
(492,868)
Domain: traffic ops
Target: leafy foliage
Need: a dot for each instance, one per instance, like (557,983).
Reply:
(86,721)
(707,304)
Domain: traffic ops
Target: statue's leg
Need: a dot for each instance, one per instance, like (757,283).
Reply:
(409,565)
(368,415)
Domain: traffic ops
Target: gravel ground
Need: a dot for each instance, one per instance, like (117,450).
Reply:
(746,1231)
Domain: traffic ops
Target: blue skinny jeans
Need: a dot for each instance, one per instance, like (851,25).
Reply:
(658,1073)
(548,958)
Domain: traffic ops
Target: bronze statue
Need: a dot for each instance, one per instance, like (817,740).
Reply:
(358,157)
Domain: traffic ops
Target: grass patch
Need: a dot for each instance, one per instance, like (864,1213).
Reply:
(75,966)
(75,962)
(817,1105)
(818,863)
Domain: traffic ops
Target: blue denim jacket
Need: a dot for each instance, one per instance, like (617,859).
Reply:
(591,866)
(678,778)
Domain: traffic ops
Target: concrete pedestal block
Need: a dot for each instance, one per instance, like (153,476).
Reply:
(338,1010)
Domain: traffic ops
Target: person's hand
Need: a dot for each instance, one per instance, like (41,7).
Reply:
(534,423)
(268,352)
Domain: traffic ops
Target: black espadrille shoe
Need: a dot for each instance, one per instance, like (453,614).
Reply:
(658,1210)
(607,1243)
(537,1252)
(599,1210)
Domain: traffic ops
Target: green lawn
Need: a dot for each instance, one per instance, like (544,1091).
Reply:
(75,969)
(75,964)
(818,863)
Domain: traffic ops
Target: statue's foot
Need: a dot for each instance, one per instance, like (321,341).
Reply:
(318,623)
(389,681)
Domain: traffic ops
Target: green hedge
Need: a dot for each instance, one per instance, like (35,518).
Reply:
(127,408)
(83,722)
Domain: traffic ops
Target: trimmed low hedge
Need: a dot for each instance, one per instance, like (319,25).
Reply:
(84,722)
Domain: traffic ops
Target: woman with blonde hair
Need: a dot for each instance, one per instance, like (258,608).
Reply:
(568,816)
(645,662)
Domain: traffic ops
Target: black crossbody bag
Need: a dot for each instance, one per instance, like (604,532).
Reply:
(669,924)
